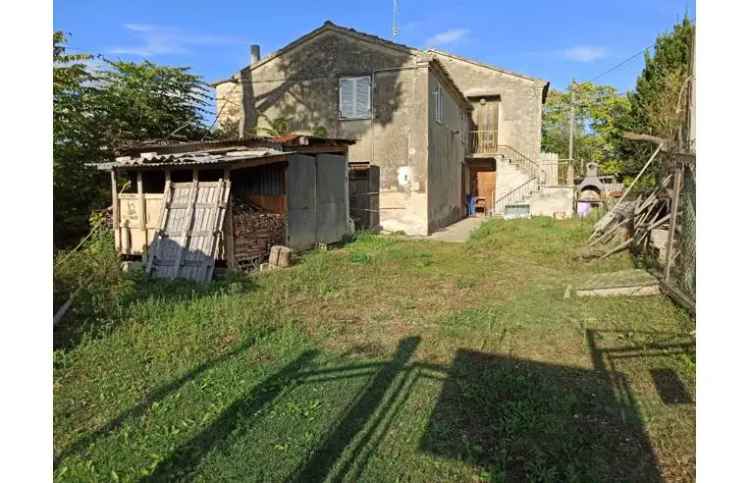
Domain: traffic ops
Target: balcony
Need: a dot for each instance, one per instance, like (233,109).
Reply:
(483,142)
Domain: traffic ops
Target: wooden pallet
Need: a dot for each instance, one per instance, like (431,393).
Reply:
(189,236)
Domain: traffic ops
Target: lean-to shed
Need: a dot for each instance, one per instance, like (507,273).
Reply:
(190,206)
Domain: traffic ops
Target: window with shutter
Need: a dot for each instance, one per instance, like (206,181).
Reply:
(439,102)
(355,97)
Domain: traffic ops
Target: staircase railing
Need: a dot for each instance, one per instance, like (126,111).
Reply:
(519,193)
(523,162)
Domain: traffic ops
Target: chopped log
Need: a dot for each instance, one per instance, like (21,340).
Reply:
(256,230)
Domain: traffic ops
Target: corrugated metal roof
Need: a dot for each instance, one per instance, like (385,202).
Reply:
(257,142)
(189,159)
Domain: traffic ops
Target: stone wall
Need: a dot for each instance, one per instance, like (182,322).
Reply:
(301,85)
(420,161)
(520,100)
(447,148)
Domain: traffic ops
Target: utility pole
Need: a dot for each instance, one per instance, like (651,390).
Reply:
(571,128)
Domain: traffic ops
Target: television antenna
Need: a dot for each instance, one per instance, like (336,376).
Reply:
(394,28)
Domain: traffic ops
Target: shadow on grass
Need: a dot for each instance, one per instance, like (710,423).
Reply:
(156,395)
(185,459)
(371,402)
(87,319)
(515,419)
(522,420)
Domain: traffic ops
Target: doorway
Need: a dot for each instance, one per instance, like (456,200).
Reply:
(481,187)
(485,118)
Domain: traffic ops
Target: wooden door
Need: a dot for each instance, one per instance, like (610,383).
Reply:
(485,118)
(486,187)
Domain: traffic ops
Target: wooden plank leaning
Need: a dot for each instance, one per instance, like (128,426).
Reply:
(188,226)
(221,209)
(163,215)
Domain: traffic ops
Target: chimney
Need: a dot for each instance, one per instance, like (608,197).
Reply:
(254,53)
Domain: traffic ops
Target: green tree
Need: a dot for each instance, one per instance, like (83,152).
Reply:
(145,101)
(76,140)
(596,135)
(99,110)
(655,104)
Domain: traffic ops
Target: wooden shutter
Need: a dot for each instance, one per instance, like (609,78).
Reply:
(441,103)
(362,100)
(438,95)
(346,97)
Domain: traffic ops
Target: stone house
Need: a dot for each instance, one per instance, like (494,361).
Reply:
(439,126)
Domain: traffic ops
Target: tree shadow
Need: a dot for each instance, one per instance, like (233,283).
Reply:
(301,87)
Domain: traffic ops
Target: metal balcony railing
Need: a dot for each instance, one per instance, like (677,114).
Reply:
(483,142)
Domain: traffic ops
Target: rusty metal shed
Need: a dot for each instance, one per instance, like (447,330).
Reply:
(226,202)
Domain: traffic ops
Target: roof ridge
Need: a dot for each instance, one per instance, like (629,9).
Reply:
(329,25)
(484,64)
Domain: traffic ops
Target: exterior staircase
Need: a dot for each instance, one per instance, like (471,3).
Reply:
(518,178)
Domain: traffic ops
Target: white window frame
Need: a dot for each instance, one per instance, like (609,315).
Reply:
(358,83)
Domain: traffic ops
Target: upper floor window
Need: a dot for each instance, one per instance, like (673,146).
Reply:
(355,99)
(439,104)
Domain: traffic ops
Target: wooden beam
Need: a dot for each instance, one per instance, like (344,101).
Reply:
(229,228)
(188,226)
(643,170)
(163,213)
(644,137)
(115,210)
(675,210)
(142,212)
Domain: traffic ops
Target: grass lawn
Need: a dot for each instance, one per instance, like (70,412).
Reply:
(389,359)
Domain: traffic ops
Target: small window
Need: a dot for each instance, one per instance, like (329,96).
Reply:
(439,102)
(355,98)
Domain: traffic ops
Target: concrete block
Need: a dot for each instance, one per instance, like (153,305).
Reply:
(130,266)
(554,201)
(284,257)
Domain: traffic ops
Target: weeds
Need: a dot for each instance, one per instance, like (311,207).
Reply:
(253,377)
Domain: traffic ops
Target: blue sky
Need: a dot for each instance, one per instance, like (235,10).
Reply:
(553,40)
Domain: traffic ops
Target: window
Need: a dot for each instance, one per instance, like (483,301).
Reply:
(439,102)
(354,98)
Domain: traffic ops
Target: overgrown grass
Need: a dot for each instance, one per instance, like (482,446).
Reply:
(388,359)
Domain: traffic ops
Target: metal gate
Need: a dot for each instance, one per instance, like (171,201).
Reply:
(316,200)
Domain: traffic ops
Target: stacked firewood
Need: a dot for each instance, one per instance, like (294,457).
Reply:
(256,230)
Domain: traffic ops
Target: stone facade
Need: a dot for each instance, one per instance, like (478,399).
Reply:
(521,99)
(420,158)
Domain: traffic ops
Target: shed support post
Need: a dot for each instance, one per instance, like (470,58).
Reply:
(229,227)
(677,187)
(142,212)
(115,210)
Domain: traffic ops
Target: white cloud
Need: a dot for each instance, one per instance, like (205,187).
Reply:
(156,40)
(584,53)
(446,38)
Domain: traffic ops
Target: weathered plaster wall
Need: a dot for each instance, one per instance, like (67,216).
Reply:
(302,86)
(520,101)
(555,201)
(446,155)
